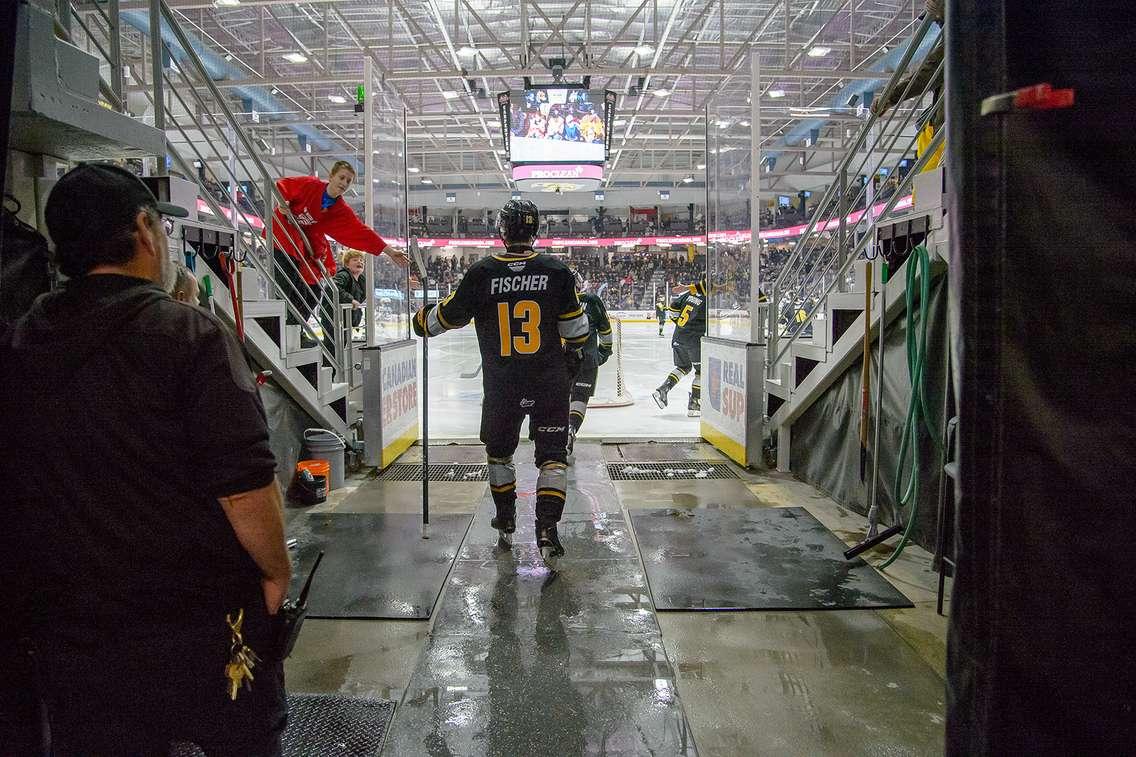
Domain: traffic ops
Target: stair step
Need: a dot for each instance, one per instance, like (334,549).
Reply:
(306,356)
(254,287)
(336,391)
(776,388)
(326,378)
(291,339)
(846,301)
(263,308)
(810,351)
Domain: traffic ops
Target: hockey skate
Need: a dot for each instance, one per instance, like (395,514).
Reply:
(549,545)
(505,528)
(694,408)
(660,397)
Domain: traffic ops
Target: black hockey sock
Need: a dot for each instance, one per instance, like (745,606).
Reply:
(576,415)
(551,492)
(696,392)
(503,485)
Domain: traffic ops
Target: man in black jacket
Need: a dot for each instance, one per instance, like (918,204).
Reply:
(143,519)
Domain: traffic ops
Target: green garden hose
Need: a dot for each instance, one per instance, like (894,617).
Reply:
(918,265)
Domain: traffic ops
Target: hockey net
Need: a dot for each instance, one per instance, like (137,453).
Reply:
(611,386)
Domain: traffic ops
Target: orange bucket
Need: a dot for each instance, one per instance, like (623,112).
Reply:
(316,468)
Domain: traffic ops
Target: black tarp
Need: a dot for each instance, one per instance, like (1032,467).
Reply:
(825,442)
(286,424)
(1042,644)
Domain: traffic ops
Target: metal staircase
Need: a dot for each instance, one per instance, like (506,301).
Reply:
(816,320)
(233,251)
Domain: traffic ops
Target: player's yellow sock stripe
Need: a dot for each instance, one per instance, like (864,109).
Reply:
(552,493)
(576,413)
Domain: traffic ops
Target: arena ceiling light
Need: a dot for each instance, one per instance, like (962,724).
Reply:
(295,57)
(449,94)
(467,50)
(412,169)
(226,3)
(701,166)
(776,93)
(426,180)
(689,179)
(645,50)
(337,99)
(819,51)
(661,92)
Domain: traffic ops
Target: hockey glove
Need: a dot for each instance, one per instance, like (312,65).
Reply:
(419,323)
(573,359)
(602,354)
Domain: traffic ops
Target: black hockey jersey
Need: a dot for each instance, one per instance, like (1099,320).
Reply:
(688,312)
(522,304)
(599,333)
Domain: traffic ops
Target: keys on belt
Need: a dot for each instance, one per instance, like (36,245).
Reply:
(242,659)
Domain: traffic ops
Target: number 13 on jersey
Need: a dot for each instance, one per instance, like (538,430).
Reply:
(527,338)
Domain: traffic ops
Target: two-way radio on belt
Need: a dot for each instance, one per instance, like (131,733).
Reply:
(420,263)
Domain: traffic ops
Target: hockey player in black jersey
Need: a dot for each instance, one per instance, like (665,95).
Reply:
(524,304)
(689,316)
(596,352)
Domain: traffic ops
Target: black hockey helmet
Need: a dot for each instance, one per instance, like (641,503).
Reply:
(518,222)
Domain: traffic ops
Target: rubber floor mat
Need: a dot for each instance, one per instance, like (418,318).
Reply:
(375,565)
(753,559)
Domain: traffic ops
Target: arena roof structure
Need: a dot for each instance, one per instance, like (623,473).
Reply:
(666,59)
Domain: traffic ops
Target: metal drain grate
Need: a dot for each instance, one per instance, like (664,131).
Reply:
(325,725)
(438,472)
(669,470)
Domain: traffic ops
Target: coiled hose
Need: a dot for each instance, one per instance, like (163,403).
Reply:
(919,265)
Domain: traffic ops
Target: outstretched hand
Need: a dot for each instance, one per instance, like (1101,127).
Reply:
(398,257)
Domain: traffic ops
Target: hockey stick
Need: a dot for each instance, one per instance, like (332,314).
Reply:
(473,373)
(419,261)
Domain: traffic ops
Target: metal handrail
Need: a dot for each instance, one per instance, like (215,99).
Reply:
(295,296)
(866,218)
(276,199)
(900,69)
(807,250)
(932,147)
(821,211)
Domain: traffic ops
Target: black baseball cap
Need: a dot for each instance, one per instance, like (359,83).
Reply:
(98,200)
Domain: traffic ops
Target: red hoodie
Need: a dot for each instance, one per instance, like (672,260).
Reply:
(304,195)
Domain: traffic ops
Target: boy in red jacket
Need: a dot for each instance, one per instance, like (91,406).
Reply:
(321,212)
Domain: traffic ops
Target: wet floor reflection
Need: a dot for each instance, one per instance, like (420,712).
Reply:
(525,662)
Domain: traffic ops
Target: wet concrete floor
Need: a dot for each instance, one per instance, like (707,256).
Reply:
(514,663)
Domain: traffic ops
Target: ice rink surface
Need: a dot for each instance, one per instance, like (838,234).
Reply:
(455,402)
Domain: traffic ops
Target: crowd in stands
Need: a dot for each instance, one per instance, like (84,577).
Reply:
(631,279)
(597,224)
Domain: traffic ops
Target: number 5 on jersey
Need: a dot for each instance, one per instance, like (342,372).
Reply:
(527,339)
(685,316)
